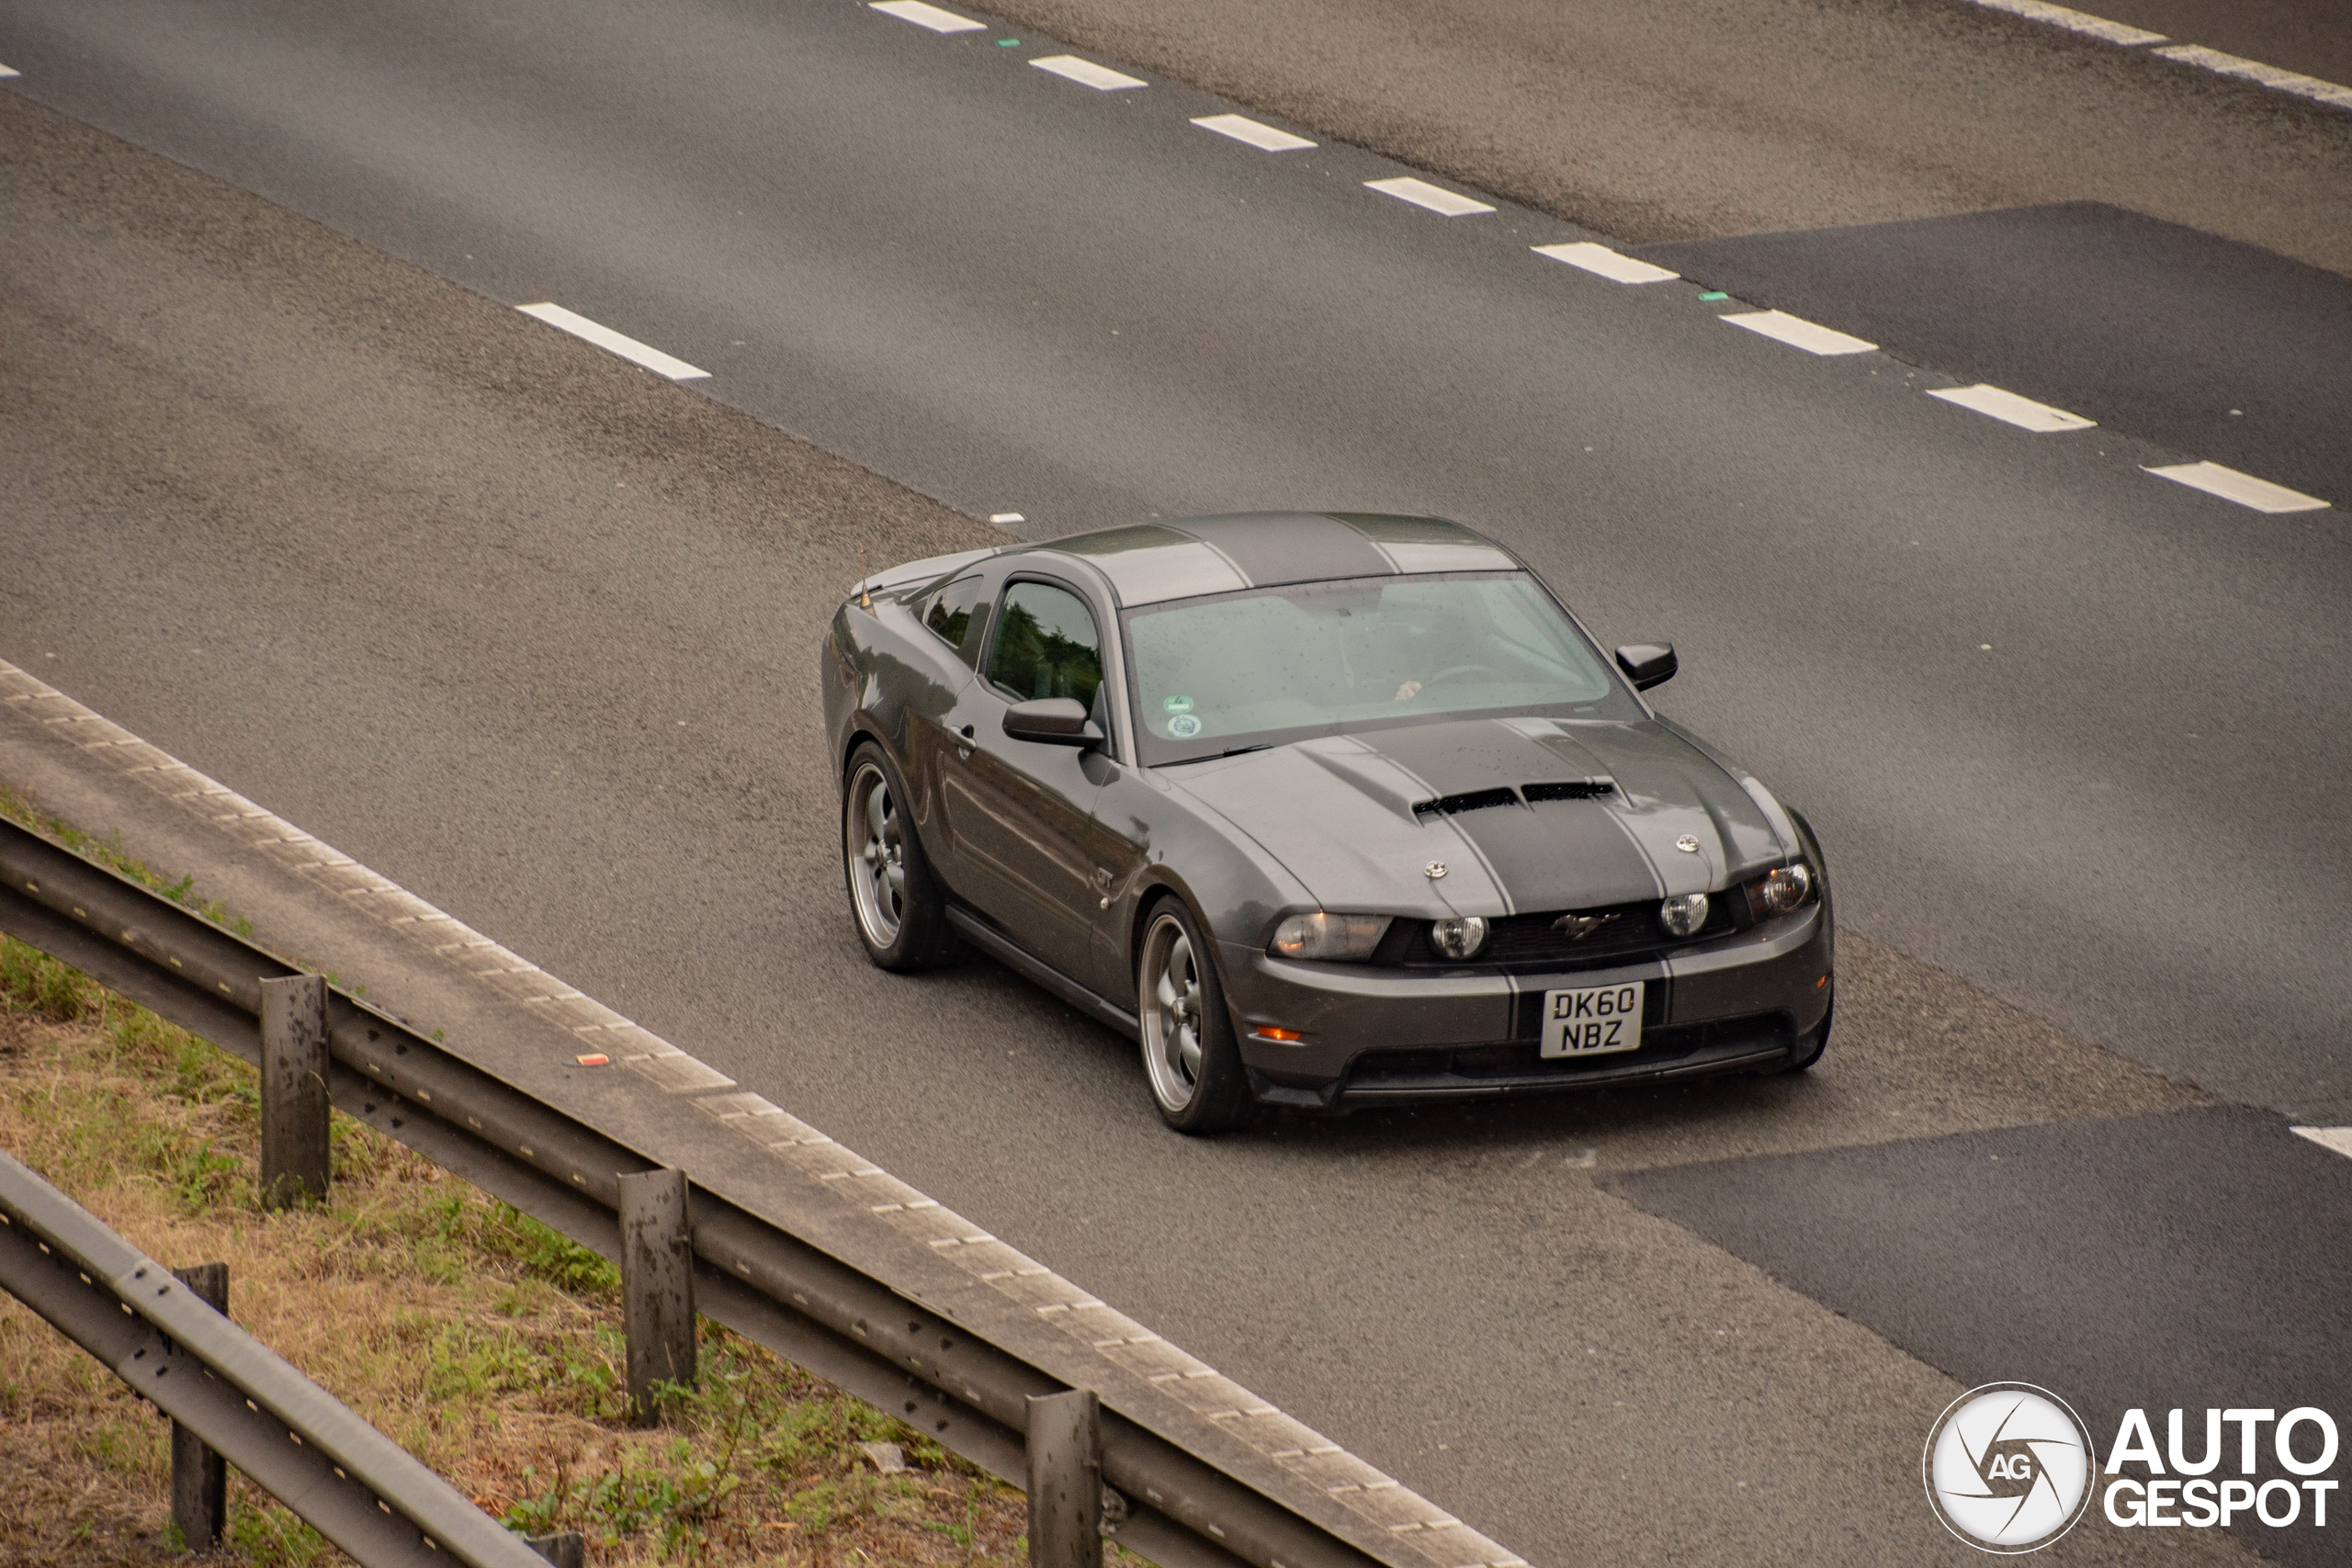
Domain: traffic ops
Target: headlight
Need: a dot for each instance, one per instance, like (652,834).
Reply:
(1785,889)
(1683,914)
(1460,937)
(1323,935)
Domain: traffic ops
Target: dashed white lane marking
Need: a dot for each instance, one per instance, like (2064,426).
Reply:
(1601,259)
(1798,333)
(2074,21)
(603,337)
(1001,518)
(1101,78)
(2336,1138)
(1242,129)
(930,16)
(2255,71)
(2023,413)
(1421,193)
(9,71)
(2244,488)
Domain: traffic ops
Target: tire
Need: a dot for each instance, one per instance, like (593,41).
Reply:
(1189,1054)
(900,913)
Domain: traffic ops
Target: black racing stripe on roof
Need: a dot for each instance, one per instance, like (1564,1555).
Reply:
(1388,528)
(1274,547)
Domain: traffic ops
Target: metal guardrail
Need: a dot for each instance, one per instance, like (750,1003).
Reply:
(355,1486)
(749,1274)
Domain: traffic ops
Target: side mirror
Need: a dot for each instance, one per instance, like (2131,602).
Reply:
(1054,721)
(1647,664)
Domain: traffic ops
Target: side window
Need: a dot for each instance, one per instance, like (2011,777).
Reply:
(951,613)
(1046,645)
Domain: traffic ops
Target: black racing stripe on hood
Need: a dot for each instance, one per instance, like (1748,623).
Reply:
(1460,755)
(1558,854)
(1272,549)
(1564,854)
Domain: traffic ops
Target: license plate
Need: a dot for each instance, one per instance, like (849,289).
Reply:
(1593,1021)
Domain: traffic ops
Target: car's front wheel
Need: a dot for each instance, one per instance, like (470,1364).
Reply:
(902,914)
(1188,1047)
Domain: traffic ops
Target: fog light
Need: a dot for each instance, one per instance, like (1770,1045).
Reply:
(1460,937)
(1786,888)
(1683,914)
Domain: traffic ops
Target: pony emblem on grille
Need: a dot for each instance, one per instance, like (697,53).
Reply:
(1576,928)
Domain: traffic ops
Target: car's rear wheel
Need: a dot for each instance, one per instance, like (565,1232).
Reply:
(1188,1047)
(902,914)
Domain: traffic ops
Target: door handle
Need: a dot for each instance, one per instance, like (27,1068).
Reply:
(964,744)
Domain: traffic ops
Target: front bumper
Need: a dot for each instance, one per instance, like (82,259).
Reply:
(1745,1002)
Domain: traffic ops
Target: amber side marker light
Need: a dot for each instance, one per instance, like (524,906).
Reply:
(1287,1036)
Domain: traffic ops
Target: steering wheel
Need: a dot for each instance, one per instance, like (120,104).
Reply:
(1452,670)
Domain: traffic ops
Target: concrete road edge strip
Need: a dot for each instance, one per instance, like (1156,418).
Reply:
(1414,1525)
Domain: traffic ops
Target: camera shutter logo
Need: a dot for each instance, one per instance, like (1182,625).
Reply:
(2008,1467)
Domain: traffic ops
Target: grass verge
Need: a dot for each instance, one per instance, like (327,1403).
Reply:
(482,1341)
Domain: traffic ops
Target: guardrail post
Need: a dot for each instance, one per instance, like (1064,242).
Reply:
(293,1091)
(1065,1480)
(199,1476)
(656,1287)
(565,1549)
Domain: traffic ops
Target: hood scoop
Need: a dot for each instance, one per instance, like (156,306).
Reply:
(1471,800)
(1570,789)
(1479,799)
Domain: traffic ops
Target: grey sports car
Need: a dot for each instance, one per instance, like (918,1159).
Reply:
(1321,809)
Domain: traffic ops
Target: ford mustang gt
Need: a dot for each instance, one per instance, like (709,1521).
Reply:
(1322,810)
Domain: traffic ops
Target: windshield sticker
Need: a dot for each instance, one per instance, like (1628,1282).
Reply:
(1183,726)
(1178,705)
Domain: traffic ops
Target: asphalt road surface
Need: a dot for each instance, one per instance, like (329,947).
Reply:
(533,634)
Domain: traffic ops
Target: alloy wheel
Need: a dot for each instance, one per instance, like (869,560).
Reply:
(876,849)
(1171,1012)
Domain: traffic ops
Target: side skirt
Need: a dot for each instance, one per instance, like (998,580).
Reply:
(1037,972)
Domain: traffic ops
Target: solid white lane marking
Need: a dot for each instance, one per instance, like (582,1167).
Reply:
(2023,413)
(1242,129)
(1798,333)
(1101,78)
(930,16)
(2244,488)
(1421,193)
(2336,1138)
(2074,21)
(2255,71)
(1601,259)
(603,337)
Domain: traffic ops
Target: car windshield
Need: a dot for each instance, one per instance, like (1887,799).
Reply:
(1279,664)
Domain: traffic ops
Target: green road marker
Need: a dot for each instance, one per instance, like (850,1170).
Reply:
(1714,295)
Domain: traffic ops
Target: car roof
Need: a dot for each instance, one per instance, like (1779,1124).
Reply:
(1150,562)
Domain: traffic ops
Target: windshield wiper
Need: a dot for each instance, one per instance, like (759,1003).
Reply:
(1228,751)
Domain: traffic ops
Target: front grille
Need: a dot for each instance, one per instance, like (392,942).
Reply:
(1621,933)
